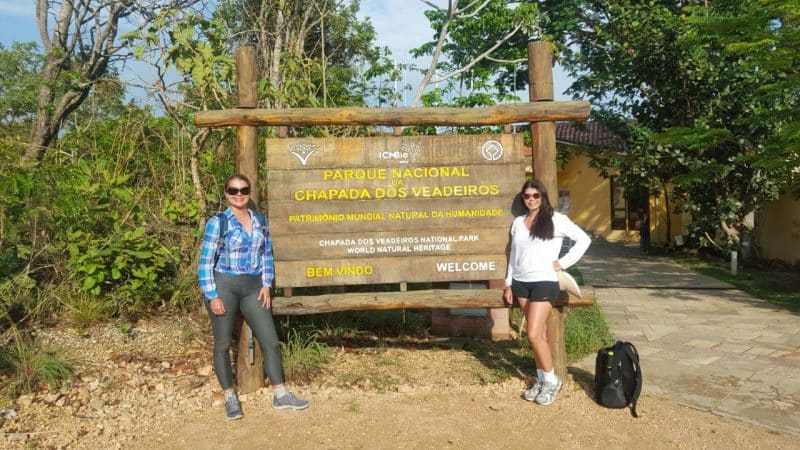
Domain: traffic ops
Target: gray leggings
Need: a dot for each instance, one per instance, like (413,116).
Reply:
(240,293)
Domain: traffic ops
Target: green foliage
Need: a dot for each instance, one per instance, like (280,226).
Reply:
(127,260)
(333,62)
(696,113)
(482,81)
(19,77)
(29,367)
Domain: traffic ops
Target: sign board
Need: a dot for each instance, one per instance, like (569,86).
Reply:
(391,209)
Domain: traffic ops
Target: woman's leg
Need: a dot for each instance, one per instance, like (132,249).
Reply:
(263,326)
(222,328)
(536,315)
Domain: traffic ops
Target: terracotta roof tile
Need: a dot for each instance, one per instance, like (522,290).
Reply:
(584,133)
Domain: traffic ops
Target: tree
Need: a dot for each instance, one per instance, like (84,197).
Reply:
(664,68)
(80,44)
(766,37)
(195,48)
(479,42)
(310,53)
(19,77)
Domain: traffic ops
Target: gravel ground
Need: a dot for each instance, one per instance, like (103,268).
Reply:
(153,387)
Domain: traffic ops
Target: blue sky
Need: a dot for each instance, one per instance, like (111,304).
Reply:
(400,25)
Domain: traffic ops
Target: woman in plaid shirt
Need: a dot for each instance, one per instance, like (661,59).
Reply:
(235,274)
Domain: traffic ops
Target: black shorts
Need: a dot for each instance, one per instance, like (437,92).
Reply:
(536,291)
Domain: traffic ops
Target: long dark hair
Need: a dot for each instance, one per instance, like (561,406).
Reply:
(543,226)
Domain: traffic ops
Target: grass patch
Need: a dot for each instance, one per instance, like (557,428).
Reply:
(303,355)
(585,331)
(774,283)
(85,310)
(25,367)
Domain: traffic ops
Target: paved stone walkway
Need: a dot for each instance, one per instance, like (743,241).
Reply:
(702,342)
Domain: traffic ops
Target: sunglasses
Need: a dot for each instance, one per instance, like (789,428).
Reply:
(535,196)
(233,191)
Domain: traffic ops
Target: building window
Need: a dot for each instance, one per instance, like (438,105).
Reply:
(627,207)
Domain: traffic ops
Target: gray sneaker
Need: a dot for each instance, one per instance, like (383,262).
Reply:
(289,401)
(530,394)
(548,392)
(233,409)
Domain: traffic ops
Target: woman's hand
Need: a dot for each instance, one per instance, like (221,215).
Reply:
(263,295)
(217,307)
(557,266)
(508,296)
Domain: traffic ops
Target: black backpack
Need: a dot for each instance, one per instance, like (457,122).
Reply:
(618,376)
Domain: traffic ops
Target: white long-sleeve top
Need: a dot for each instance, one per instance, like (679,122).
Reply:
(532,259)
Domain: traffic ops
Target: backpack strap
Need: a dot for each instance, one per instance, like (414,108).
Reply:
(630,350)
(223,228)
(261,220)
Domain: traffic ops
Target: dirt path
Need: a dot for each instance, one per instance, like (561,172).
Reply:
(154,389)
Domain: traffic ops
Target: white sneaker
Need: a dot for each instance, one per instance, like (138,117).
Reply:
(548,393)
(530,394)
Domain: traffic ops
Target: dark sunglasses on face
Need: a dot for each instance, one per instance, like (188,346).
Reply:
(535,196)
(233,191)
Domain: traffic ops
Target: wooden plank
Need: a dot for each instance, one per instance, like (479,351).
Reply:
(431,298)
(379,270)
(373,216)
(409,243)
(493,115)
(393,183)
(394,151)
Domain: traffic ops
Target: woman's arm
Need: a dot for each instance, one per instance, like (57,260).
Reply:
(268,270)
(208,253)
(511,255)
(566,227)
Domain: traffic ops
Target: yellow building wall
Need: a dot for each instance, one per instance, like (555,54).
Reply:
(658,221)
(778,230)
(590,205)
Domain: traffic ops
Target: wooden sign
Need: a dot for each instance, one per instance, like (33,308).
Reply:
(389,209)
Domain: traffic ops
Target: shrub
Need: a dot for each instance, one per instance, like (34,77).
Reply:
(29,367)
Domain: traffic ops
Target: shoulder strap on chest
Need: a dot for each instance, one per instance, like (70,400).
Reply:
(262,219)
(223,228)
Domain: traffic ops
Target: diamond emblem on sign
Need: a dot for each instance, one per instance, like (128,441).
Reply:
(492,150)
(302,151)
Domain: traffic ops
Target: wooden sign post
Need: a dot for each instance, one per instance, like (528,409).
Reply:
(395,209)
(543,138)
(249,372)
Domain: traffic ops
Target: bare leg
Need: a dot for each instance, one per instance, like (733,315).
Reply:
(536,315)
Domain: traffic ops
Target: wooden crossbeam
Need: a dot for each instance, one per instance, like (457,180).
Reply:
(429,298)
(492,115)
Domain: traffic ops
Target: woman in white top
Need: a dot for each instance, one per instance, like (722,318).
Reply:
(532,265)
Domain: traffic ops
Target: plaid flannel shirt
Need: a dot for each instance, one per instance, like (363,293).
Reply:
(242,254)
